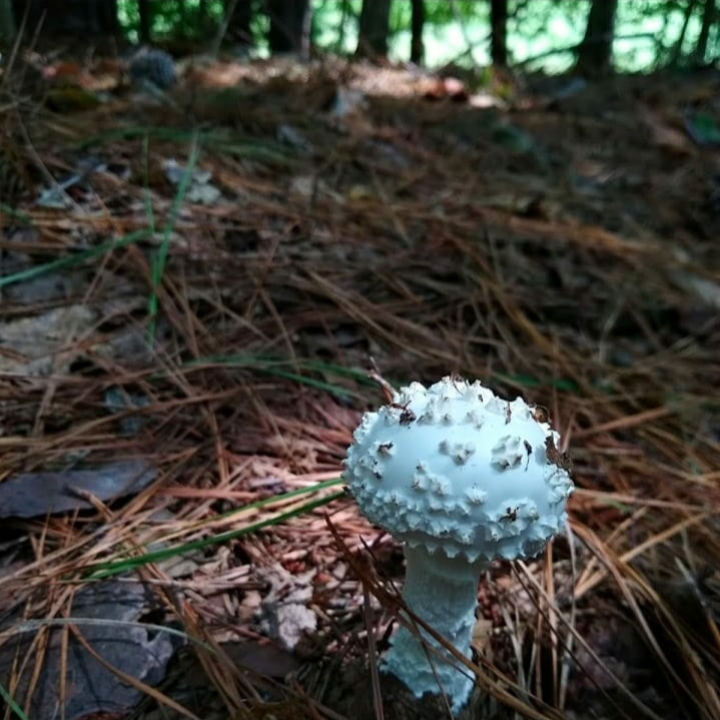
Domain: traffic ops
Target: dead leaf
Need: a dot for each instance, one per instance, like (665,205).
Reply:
(107,616)
(34,494)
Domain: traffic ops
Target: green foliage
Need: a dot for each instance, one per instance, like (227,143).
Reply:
(442,12)
(173,18)
(653,29)
(662,20)
(335,24)
(400,14)
(540,26)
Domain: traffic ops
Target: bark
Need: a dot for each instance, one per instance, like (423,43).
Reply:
(107,13)
(677,49)
(8,28)
(145,12)
(240,22)
(595,53)
(86,20)
(498,38)
(206,24)
(374,28)
(417,46)
(289,26)
(708,20)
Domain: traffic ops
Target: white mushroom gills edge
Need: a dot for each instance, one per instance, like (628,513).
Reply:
(462,477)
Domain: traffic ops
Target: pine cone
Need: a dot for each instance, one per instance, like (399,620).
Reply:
(152,66)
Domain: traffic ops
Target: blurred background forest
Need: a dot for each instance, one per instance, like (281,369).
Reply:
(551,35)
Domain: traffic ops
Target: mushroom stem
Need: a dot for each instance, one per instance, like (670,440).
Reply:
(442,591)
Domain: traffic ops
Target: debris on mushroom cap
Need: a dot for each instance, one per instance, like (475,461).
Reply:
(458,470)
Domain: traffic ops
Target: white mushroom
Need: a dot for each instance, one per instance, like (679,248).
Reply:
(463,478)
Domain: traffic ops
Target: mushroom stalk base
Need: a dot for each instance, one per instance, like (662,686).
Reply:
(442,592)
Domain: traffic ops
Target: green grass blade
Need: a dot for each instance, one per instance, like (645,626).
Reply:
(160,258)
(5,695)
(73,260)
(117,567)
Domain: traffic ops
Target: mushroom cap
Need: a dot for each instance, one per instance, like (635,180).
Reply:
(460,471)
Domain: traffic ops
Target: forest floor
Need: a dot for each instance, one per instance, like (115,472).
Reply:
(193,295)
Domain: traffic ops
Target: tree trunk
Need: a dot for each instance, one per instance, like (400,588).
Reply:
(374,28)
(86,20)
(289,26)
(677,49)
(240,22)
(8,28)
(145,12)
(708,20)
(107,14)
(498,37)
(417,46)
(201,26)
(595,53)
